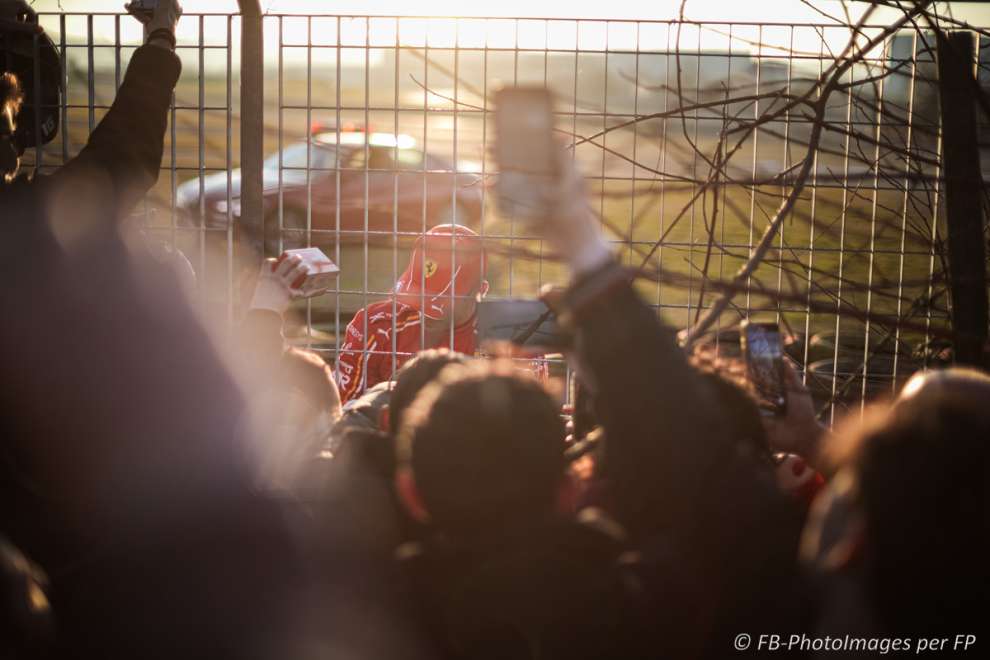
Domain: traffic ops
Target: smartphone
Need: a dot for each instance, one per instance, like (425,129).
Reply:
(764,353)
(524,151)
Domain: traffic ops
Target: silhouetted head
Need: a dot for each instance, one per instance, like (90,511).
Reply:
(483,444)
(414,375)
(903,525)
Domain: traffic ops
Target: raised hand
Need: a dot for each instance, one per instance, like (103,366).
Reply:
(164,17)
(798,431)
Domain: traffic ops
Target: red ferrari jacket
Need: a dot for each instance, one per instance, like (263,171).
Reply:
(366,357)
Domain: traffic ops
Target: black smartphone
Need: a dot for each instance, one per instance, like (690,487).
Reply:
(763,349)
(524,151)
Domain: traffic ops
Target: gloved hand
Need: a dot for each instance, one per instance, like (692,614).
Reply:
(166,16)
(274,290)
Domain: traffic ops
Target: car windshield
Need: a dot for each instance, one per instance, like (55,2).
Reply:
(294,158)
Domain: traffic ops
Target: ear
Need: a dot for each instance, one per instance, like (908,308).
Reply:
(483,289)
(567,495)
(384,418)
(412,502)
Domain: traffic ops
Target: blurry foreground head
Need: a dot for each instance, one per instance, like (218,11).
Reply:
(446,271)
(483,445)
(903,526)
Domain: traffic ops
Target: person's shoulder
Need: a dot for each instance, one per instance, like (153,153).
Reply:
(305,360)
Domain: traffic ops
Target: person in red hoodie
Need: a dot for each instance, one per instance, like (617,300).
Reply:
(433,306)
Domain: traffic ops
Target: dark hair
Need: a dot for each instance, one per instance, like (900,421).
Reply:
(921,471)
(733,393)
(746,430)
(486,444)
(416,374)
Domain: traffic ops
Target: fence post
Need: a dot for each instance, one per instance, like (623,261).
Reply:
(963,188)
(252,218)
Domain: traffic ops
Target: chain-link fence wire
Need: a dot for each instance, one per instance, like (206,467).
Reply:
(783,172)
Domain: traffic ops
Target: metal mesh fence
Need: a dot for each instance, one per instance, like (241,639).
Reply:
(379,128)
(201,140)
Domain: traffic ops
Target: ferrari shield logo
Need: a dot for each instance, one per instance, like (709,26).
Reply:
(429,267)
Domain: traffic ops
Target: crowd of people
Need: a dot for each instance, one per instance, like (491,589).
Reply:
(165,496)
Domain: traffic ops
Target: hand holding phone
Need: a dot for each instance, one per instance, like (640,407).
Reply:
(538,181)
(764,352)
(798,431)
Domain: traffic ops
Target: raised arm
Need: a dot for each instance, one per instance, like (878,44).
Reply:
(122,157)
(664,437)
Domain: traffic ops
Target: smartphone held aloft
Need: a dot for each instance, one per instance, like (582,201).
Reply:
(525,151)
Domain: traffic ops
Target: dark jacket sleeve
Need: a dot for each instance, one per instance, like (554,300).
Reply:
(664,437)
(122,157)
(675,477)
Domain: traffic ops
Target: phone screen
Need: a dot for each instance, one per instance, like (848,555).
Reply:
(524,150)
(764,353)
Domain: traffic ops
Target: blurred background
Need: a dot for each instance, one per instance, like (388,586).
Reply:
(377,125)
